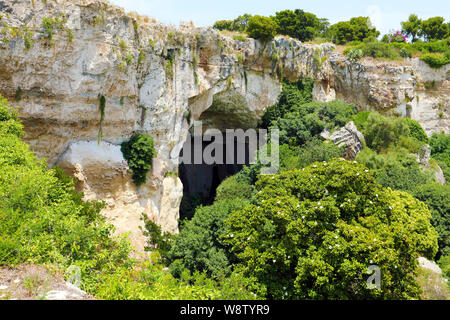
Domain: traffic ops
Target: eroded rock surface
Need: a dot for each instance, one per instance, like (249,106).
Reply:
(349,138)
(157,79)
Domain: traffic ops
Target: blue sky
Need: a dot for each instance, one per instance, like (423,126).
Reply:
(385,14)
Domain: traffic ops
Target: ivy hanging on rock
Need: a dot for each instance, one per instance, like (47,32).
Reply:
(139,152)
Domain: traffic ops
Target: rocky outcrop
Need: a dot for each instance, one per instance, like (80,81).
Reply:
(157,79)
(348,138)
(407,88)
(424,157)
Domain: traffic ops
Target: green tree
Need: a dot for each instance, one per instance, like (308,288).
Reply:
(357,29)
(262,28)
(241,22)
(412,27)
(434,29)
(223,25)
(312,234)
(437,197)
(300,24)
(198,247)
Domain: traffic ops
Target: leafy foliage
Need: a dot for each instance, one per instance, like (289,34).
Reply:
(396,169)
(309,120)
(299,24)
(234,187)
(437,197)
(139,152)
(293,95)
(440,151)
(357,29)
(198,246)
(314,150)
(415,130)
(261,28)
(435,61)
(381,132)
(316,231)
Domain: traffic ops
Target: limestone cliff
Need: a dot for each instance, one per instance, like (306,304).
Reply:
(57,57)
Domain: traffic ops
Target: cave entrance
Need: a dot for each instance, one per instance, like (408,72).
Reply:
(200,180)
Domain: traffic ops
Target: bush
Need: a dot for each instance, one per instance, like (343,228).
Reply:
(354,54)
(314,150)
(149,281)
(444,263)
(437,197)
(139,152)
(198,246)
(396,169)
(293,95)
(380,132)
(42,217)
(310,119)
(223,25)
(316,231)
(415,130)
(360,119)
(357,29)
(262,28)
(374,49)
(299,24)
(435,61)
(440,151)
(233,188)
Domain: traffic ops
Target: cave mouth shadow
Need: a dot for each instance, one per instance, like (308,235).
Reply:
(200,181)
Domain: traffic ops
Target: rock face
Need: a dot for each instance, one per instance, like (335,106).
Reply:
(157,79)
(423,158)
(348,138)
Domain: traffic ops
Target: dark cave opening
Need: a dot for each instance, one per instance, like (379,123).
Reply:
(200,180)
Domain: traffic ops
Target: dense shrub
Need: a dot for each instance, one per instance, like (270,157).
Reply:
(198,247)
(316,231)
(396,169)
(360,119)
(380,132)
(223,25)
(299,24)
(357,29)
(435,61)
(234,187)
(374,49)
(444,263)
(440,151)
(262,28)
(415,130)
(139,152)
(314,150)
(310,119)
(42,218)
(293,95)
(149,281)
(354,54)
(437,197)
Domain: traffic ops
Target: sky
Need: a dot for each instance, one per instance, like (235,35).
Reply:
(385,14)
